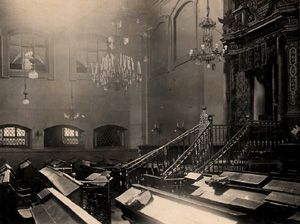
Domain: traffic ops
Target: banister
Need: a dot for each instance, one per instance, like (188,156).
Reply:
(237,136)
(161,148)
(193,150)
(184,155)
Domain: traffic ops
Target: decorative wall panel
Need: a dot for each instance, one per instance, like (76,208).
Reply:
(242,98)
(293,81)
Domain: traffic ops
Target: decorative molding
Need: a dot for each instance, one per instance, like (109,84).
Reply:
(242,98)
(293,80)
(255,55)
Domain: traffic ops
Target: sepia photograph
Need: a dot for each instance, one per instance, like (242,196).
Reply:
(149,112)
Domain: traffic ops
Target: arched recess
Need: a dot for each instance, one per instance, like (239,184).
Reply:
(63,136)
(109,136)
(184,30)
(159,42)
(15,136)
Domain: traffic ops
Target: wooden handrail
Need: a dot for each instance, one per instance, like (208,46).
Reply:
(265,135)
(185,154)
(234,140)
(135,163)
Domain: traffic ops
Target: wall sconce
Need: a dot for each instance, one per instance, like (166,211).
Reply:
(156,128)
(180,127)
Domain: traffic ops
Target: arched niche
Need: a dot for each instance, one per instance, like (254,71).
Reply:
(184,30)
(109,136)
(159,42)
(63,136)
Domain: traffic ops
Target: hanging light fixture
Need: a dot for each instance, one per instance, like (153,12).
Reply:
(72,115)
(33,73)
(25,101)
(29,66)
(208,53)
(116,70)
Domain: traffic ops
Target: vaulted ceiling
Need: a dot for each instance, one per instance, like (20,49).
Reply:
(58,16)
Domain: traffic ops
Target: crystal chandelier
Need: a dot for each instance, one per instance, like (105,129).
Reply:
(116,70)
(72,114)
(208,53)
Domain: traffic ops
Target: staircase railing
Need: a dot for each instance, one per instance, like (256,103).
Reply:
(179,141)
(199,151)
(221,134)
(158,160)
(255,138)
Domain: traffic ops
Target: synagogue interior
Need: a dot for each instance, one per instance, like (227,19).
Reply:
(149,111)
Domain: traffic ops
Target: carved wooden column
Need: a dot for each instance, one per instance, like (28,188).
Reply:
(293,72)
(293,87)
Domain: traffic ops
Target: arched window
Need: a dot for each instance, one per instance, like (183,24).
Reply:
(14,136)
(60,136)
(109,135)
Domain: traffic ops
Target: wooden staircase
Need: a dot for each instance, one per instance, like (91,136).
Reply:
(208,148)
(255,141)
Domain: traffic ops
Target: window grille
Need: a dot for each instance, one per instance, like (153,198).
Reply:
(70,136)
(109,135)
(13,136)
(61,136)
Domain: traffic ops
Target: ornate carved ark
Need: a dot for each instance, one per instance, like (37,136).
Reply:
(263,47)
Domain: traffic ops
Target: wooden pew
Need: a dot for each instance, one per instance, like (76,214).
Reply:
(56,208)
(28,176)
(64,183)
(14,203)
(92,194)
(97,195)
(149,205)
(61,165)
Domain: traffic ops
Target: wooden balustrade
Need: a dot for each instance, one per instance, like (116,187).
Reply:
(157,161)
(221,134)
(199,151)
(253,140)
(195,150)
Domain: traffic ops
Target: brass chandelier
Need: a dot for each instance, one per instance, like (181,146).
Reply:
(208,53)
(72,114)
(116,70)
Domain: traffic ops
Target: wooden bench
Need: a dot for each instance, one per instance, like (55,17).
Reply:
(15,202)
(64,183)
(56,208)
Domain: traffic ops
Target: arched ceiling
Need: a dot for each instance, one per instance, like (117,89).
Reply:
(69,16)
